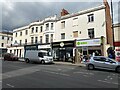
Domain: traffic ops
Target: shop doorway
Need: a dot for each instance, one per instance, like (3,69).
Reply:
(62,55)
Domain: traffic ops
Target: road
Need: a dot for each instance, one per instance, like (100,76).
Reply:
(16,74)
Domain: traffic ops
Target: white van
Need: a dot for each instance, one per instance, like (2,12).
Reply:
(41,56)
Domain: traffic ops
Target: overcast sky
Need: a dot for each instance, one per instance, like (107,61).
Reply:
(14,14)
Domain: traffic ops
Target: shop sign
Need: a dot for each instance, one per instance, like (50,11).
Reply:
(43,46)
(93,42)
(61,44)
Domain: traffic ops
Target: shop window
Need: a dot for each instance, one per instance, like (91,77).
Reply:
(62,24)
(62,35)
(91,18)
(75,34)
(91,33)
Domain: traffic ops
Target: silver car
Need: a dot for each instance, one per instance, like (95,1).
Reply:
(103,62)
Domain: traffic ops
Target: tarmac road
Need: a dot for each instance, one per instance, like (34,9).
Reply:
(16,74)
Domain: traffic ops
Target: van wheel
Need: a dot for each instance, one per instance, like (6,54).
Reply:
(90,67)
(27,60)
(43,62)
(118,69)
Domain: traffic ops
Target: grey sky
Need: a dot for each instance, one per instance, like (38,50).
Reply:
(17,14)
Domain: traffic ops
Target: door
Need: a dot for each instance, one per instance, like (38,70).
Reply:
(62,54)
(110,64)
(99,62)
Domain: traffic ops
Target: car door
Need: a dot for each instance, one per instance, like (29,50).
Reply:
(99,62)
(110,64)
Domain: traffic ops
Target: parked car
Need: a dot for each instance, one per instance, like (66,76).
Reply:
(10,57)
(103,62)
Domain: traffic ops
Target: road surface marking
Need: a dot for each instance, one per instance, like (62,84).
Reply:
(57,73)
(59,69)
(108,82)
(9,85)
(105,79)
(84,73)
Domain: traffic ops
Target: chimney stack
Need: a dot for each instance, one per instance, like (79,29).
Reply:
(64,12)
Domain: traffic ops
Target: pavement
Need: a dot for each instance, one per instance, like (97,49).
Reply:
(63,63)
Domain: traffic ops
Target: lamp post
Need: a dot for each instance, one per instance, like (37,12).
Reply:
(112,24)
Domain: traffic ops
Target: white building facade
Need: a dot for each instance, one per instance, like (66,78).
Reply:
(69,35)
(40,32)
(5,41)
(83,33)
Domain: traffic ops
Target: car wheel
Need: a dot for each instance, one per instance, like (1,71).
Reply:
(90,67)
(42,62)
(118,69)
(27,60)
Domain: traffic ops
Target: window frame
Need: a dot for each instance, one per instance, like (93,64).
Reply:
(62,37)
(91,33)
(91,18)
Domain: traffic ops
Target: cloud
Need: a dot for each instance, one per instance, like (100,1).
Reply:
(17,14)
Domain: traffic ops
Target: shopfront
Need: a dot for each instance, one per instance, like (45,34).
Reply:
(89,46)
(46,47)
(63,51)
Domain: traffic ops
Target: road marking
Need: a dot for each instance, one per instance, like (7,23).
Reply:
(108,82)
(59,69)
(57,73)
(84,73)
(10,85)
(105,79)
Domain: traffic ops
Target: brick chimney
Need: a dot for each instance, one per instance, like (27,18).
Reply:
(64,12)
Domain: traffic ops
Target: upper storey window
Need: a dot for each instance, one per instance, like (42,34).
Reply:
(16,34)
(91,18)
(32,30)
(20,33)
(47,26)
(75,22)
(62,24)
(41,29)
(36,29)
(51,26)
(91,33)
(26,32)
